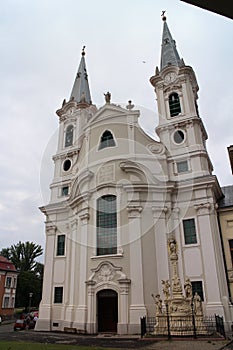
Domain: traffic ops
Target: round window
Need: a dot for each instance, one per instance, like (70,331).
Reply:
(178,136)
(66,165)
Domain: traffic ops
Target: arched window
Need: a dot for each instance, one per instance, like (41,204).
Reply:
(69,135)
(106,223)
(174,104)
(107,140)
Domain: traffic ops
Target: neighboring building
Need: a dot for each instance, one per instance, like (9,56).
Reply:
(8,282)
(118,197)
(226,225)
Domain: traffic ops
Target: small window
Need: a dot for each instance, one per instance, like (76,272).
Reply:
(69,136)
(182,167)
(197,288)
(8,282)
(6,302)
(65,191)
(58,295)
(231,249)
(174,104)
(60,245)
(107,140)
(190,236)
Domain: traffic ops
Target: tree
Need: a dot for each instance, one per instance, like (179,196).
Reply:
(23,255)
(30,278)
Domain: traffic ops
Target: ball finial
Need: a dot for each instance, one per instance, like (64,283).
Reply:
(163,16)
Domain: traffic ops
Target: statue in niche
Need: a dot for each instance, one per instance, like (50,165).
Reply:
(158,304)
(166,287)
(197,303)
(188,288)
(172,248)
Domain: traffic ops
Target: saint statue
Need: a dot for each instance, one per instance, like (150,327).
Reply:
(158,304)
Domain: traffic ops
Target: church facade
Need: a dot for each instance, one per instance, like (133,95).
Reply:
(119,198)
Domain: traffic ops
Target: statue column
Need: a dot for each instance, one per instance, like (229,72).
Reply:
(81,311)
(160,231)
(137,307)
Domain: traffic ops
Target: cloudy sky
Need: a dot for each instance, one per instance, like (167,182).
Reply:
(41,41)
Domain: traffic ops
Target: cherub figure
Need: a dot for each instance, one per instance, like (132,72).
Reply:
(158,304)
(166,287)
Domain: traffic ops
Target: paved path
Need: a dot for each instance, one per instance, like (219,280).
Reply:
(117,342)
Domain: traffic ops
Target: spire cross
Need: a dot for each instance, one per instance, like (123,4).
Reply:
(163,16)
(83,51)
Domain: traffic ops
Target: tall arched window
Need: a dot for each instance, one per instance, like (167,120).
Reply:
(174,104)
(106,223)
(69,135)
(107,140)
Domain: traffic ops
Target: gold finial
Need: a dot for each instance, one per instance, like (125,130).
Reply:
(83,51)
(163,16)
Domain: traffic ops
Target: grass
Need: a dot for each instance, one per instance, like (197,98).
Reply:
(14,345)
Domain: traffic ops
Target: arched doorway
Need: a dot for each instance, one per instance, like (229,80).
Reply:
(107,310)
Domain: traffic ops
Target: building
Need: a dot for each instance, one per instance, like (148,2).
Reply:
(225,210)
(119,199)
(8,283)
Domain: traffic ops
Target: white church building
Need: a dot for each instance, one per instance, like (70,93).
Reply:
(118,197)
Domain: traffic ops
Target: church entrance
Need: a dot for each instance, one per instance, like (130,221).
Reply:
(107,310)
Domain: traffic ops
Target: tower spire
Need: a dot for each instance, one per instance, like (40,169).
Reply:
(81,91)
(169,53)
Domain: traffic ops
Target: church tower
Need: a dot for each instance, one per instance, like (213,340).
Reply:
(127,212)
(180,127)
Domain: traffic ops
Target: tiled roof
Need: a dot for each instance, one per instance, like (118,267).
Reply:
(6,265)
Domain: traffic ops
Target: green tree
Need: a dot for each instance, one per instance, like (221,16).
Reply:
(30,278)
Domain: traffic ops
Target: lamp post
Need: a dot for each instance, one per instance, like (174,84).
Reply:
(30,300)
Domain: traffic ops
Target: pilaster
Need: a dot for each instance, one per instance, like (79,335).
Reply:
(137,307)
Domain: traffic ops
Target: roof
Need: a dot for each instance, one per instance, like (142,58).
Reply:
(6,265)
(227,200)
(223,7)
(81,90)
(169,53)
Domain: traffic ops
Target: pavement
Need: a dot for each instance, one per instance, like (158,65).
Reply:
(114,341)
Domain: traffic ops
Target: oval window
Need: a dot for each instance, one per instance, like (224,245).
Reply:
(66,164)
(179,136)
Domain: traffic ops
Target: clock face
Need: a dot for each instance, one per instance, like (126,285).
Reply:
(170,77)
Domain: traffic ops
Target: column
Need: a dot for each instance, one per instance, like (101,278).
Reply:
(44,322)
(211,277)
(71,268)
(91,317)
(160,231)
(137,307)
(122,327)
(81,311)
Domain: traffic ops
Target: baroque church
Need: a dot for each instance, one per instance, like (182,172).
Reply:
(119,199)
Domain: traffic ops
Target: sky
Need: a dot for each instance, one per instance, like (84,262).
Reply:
(41,42)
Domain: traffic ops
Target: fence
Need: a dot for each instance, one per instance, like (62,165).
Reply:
(183,326)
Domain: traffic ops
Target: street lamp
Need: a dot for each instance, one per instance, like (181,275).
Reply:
(30,300)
